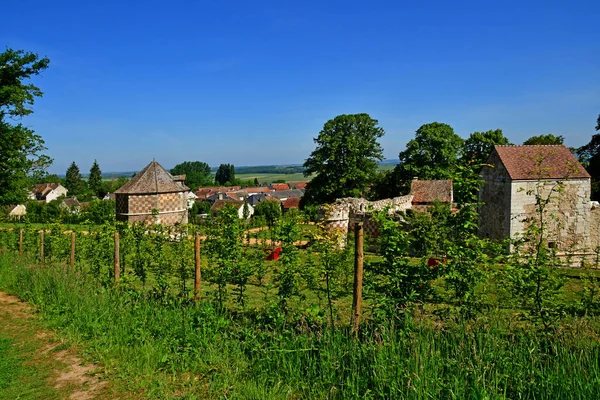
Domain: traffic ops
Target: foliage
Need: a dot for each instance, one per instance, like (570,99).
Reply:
(548,139)
(589,155)
(225,174)
(95,181)
(477,148)
(21,158)
(532,273)
(99,211)
(197,173)
(73,181)
(223,244)
(270,209)
(344,160)
(429,231)
(430,155)
(289,273)
(396,283)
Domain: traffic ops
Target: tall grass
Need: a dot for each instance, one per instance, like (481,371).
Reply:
(170,348)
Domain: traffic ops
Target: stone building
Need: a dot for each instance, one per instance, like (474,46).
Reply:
(426,193)
(517,176)
(153,196)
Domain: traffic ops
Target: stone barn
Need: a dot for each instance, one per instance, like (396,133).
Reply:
(513,178)
(153,196)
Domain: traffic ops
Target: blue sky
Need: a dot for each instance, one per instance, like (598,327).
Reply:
(251,83)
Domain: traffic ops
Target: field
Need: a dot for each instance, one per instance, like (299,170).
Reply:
(269,178)
(281,329)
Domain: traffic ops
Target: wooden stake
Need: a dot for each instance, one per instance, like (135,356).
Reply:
(72,261)
(358,275)
(117,259)
(197,275)
(42,246)
(21,241)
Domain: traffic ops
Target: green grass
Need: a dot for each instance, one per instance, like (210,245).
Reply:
(164,350)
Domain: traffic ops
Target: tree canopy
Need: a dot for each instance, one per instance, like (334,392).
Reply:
(197,173)
(589,156)
(73,180)
(95,183)
(477,148)
(21,150)
(345,159)
(225,174)
(548,139)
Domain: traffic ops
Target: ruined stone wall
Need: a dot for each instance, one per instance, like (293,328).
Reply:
(495,196)
(567,214)
(345,212)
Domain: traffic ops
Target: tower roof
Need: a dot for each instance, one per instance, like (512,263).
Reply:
(152,179)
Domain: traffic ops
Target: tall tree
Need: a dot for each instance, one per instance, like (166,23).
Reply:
(432,154)
(544,140)
(197,173)
(225,174)
(73,180)
(477,148)
(589,155)
(95,183)
(21,157)
(345,159)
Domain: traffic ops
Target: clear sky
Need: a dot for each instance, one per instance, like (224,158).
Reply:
(252,82)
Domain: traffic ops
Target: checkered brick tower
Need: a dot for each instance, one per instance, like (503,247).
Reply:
(153,196)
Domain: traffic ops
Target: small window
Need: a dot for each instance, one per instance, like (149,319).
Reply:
(552,245)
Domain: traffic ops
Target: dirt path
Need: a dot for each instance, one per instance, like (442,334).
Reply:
(68,375)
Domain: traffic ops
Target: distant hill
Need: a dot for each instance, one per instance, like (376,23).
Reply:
(285,169)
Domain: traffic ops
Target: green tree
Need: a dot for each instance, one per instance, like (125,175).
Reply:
(21,157)
(432,154)
(544,140)
(73,180)
(95,183)
(589,155)
(477,148)
(197,173)
(225,174)
(345,159)
(270,209)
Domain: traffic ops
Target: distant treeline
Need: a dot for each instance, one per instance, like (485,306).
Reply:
(269,169)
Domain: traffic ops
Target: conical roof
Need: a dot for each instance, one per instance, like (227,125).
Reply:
(152,179)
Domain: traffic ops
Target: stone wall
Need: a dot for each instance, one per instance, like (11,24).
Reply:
(567,214)
(495,196)
(345,212)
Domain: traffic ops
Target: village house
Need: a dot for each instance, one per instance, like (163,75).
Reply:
(153,196)
(47,191)
(16,212)
(517,176)
(283,195)
(290,203)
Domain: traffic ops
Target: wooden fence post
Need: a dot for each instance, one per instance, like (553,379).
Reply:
(117,271)
(42,246)
(20,241)
(72,260)
(358,275)
(197,275)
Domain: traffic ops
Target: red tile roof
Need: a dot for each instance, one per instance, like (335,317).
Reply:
(293,202)
(280,186)
(429,191)
(535,162)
